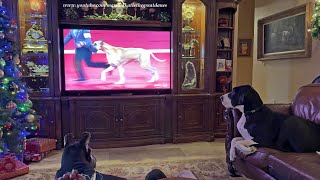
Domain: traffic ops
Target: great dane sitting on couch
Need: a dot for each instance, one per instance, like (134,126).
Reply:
(77,156)
(259,126)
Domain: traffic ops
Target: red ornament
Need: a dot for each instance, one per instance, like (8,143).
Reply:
(11,105)
(8,126)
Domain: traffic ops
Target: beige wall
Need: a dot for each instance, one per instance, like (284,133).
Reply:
(245,30)
(278,81)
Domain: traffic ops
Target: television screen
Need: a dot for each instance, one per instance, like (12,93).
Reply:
(116,60)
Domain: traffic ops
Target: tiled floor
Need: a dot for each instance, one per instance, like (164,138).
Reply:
(198,150)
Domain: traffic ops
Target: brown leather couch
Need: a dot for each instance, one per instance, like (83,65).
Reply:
(270,163)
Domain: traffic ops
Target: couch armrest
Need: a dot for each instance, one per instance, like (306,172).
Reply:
(231,117)
(280,108)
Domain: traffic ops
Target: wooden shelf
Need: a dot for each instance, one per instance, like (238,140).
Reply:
(224,50)
(120,23)
(226,28)
(224,71)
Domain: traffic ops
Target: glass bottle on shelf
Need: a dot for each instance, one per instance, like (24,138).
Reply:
(193,44)
(34,44)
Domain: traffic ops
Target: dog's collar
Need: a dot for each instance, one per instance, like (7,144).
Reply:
(253,111)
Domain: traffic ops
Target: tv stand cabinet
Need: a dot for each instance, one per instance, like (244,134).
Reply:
(192,112)
(118,121)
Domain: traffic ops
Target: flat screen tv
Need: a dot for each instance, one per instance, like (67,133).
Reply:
(115,61)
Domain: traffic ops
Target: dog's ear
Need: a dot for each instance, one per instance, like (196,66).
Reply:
(85,139)
(68,139)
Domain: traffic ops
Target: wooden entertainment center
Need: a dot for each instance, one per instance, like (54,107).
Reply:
(202,32)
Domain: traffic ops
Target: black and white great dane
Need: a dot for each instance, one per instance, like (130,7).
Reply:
(78,156)
(259,126)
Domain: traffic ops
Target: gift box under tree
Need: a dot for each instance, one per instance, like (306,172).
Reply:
(38,148)
(11,167)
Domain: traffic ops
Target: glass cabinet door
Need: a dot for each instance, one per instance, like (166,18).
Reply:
(34,57)
(192,45)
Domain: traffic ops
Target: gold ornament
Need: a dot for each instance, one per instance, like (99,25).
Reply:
(30,118)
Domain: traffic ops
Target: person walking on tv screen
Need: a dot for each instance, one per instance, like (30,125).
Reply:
(84,49)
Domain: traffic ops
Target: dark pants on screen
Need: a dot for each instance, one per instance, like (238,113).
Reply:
(85,54)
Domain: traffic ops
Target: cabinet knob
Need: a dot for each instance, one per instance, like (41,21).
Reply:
(117,120)
(121,119)
(180,117)
(51,122)
(49,42)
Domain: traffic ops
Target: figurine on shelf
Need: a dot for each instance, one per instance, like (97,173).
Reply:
(35,41)
(71,14)
(223,82)
(104,5)
(187,14)
(152,12)
(164,17)
(37,70)
(193,43)
(190,77)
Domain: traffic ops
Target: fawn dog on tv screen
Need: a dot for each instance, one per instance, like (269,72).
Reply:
(116,60)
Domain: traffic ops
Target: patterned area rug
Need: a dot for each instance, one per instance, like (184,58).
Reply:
(209,169)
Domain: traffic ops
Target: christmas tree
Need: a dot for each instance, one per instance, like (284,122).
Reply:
(17,118)
(315,21)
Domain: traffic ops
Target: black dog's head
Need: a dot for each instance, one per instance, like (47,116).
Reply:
(244,98)
(77,155)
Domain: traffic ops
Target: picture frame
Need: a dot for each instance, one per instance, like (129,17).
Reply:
(285,35)
(244,47)
(221,65)
(228,65)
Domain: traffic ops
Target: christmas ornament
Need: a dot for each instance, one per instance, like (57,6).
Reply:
(8,126)
(1,73)
(16,59)
(2,35)
(13,24)
(11,106)
(30,118)
(18,74)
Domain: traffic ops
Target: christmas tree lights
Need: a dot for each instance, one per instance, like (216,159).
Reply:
(17,118)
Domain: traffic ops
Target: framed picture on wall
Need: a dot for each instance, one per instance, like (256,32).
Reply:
(285,35)
(244,47)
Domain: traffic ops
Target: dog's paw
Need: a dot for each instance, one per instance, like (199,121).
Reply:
(318,152)
(119,82)
(232,156)
(153,79)
(103,78)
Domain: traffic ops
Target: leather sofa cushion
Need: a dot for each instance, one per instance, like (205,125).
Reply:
(307,103)
(259,158)
(295,166)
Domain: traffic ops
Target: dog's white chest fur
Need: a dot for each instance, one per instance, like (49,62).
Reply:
(242,130)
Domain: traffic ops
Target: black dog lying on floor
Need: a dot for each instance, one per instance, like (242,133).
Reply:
(77,156)
(270,129)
